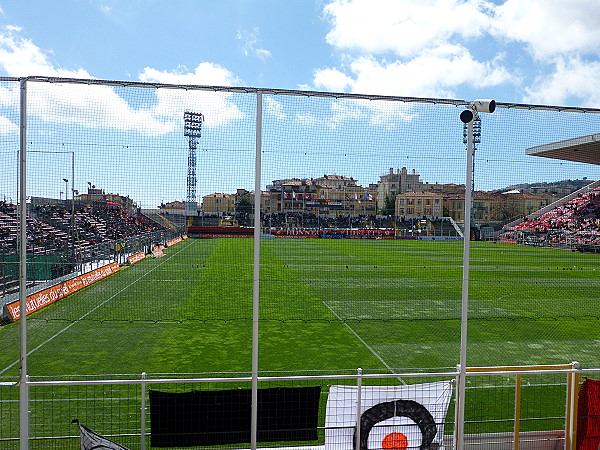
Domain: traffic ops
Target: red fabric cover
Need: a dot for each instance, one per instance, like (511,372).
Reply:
(588,416)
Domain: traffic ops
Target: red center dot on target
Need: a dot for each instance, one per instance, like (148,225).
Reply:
(394,441)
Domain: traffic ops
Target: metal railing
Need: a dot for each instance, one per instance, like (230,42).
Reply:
(497,398)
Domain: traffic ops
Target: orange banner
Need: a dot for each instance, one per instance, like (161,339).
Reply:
(158,251)
(136,258)
(174,241)
(44,298)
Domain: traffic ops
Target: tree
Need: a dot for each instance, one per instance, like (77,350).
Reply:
(243,206)
(389,206)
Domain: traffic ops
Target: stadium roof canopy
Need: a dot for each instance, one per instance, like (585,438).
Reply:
(585,149)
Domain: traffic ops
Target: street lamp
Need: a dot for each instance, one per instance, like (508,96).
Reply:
(66,188)
(66,180)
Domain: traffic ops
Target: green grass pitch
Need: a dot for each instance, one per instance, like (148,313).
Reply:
(325,305)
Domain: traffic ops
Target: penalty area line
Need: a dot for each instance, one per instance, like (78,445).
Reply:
(364,342)
(90,311)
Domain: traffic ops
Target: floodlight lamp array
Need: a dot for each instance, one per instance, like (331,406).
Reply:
(192,124)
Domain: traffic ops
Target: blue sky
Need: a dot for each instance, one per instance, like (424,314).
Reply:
(521,51)
(534,51)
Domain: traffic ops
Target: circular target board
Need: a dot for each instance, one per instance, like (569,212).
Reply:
(397,425)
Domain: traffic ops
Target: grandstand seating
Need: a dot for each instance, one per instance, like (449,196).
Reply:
(52,230)
(575,222)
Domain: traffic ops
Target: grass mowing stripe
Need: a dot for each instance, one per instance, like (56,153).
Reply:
(377,355)
(89,312)
(390,293)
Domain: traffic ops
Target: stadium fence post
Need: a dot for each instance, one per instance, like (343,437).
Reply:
(517,426)
(571,408)
(460,419)
(23,387)
(256,281)
(143,413)
(358,408)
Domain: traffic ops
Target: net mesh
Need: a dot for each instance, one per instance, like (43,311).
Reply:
(362,204)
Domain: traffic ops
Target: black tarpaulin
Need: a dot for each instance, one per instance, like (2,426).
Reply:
(223,417)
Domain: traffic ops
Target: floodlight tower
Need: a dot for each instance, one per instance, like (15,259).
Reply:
(476,140)
(192,128)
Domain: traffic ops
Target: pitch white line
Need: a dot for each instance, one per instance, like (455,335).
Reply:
(91,311)
(363,342)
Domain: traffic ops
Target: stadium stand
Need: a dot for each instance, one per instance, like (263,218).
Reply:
(58,241)
(402,226)
(576,222)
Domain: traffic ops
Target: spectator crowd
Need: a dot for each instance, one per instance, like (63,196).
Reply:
(53,228)
(575,222)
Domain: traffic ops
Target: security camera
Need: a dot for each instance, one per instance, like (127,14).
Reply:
(467,116)
(487,106)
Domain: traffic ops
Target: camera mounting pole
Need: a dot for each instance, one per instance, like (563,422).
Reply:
(467,117)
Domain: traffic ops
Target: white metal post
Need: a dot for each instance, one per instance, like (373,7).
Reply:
(358,409)
(256,282)
(460,417)
(143,413)
(23,387)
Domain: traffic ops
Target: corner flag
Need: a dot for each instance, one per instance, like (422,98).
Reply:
(93,441)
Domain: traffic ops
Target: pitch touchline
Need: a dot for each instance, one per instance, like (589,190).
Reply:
(91,311)
(363,342)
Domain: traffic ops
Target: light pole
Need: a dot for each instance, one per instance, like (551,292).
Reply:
(468,116)
(192,129)
(66,180)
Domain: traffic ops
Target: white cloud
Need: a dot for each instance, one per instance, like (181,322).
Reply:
(431,48)
(432,74)
(217,107)
(332,80)
(307,119)
(550,27)
(274,107)
(404,27)
(7,127)
(91,106)
(21,57)
(263,54)
(101,106)
(410,47)
(381,114)
(250,37)
(573,78)
(205,73)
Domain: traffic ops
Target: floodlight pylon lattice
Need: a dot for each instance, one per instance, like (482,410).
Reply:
(476,140)
(192,129)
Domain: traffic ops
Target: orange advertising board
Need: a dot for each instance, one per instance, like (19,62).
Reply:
(44,298)
(136,257)
(174,241)
(158,251)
